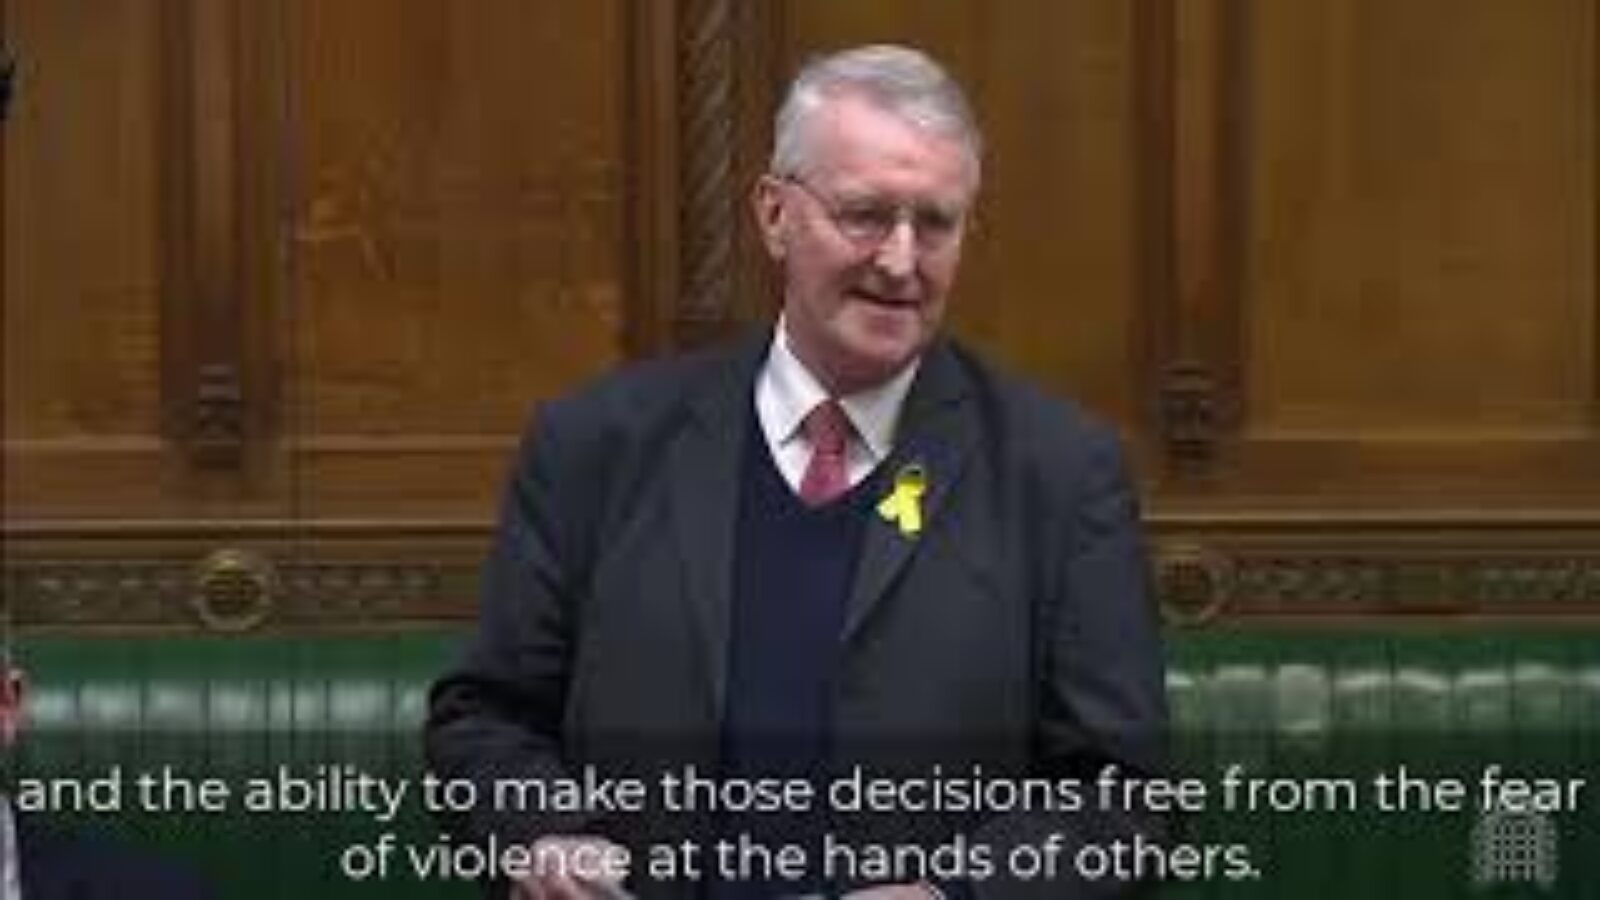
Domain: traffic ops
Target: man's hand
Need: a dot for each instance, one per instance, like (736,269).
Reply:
(913,891)
(575,868)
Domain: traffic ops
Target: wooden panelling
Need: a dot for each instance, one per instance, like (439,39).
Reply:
(83,288)
(285,278)
(1432,207)
(141,260)
(705,76)
(1407,568)
(228,575)
(1419,306)
(1188,72)
(456,232)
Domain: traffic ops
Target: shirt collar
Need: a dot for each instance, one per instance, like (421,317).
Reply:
(792,392)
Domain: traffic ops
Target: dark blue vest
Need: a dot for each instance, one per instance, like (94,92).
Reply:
(792,578)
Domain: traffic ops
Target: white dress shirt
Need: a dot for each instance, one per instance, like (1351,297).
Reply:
(10,867)
(786,392)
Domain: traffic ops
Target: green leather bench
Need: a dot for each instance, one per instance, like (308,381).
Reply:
(1283,705)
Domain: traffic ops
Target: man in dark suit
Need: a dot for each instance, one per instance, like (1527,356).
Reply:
(844,542)
(39,861)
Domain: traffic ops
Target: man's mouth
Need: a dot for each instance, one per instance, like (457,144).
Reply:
(883,300)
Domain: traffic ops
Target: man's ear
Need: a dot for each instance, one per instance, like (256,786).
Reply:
(766,201)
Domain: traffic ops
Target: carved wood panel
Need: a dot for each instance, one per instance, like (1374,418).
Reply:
(290,284)
(83,272)
(456,233)
(1404,246)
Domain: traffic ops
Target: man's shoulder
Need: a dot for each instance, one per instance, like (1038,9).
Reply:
(669,378)
(1053,450)
(1021,410)
(57,861)
(642,392)
(631,415)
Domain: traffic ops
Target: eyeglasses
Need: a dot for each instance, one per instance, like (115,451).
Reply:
(868,221)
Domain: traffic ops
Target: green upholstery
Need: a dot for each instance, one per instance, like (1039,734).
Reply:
(1280,703)
(235,708)
(1359,704)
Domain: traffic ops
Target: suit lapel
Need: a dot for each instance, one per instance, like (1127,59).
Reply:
(936,434)
(703,469)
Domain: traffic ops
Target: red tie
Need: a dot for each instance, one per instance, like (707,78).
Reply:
(828,430)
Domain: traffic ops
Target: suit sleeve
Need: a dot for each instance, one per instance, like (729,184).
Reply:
(1103,699)
(497,714)
(83,865)
(1100,678)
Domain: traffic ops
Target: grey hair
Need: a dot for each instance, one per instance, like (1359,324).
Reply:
(904,82)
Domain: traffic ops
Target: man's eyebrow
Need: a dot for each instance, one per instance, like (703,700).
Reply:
(919,204)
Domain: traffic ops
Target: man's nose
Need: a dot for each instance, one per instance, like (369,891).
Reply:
(897,255)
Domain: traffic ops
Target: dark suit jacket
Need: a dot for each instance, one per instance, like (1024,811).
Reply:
(1016,629)
(56,864)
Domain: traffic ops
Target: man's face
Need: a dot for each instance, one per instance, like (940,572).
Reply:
(861,304)
(10,706)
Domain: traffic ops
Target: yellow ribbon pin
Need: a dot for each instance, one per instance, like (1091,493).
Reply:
(903,506)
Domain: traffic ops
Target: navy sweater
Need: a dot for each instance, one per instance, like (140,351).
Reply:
(795,566)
